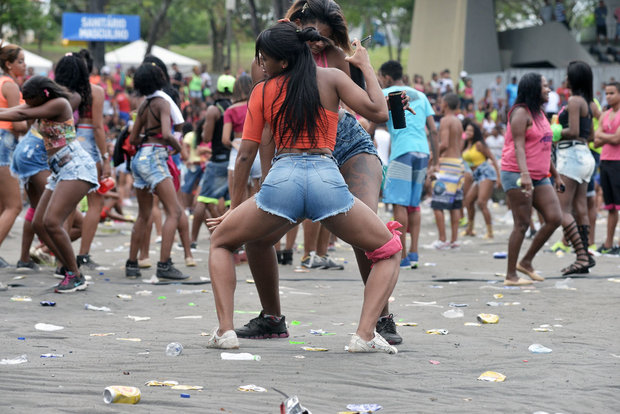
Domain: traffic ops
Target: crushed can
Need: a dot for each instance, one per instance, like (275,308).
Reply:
(121,395)
(292,406)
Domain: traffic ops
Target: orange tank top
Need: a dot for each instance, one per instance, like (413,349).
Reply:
(5,104)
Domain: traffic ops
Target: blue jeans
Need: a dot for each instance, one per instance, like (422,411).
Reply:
(149,166)
(7,145)
(302,186)
(85,135)
(71,162)
(351,140)
(29,157)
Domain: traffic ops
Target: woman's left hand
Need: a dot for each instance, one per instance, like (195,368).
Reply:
(212,223)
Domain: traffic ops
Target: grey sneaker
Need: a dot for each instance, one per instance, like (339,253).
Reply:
(313,261)
(376,344)
(329,263)
(3,263)
(29,266)
(166,270)
(228,340)
(84,260)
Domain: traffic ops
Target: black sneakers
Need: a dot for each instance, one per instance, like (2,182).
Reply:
(27,266)
(84,260)
(166,270)
(71,283)
(387,329)
(132,270)
(263,327)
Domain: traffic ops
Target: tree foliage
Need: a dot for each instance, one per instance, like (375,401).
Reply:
(510,14)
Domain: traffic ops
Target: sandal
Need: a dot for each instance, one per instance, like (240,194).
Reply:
(576,268)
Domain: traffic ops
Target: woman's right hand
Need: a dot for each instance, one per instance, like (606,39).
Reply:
(360,56)
(526,185)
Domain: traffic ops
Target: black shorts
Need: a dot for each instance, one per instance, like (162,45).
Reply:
(601,30)
(610,184)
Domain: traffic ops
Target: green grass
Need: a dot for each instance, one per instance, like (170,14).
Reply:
(241,58)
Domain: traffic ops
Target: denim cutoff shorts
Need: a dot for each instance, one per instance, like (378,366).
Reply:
(575,162)
(214,184)
(302,186)
(484,171)
(149,166)
(255,172)
(191,177)
(509,180)
(85,135)
(71,162)
(352,139)
(29,157)
(7,145)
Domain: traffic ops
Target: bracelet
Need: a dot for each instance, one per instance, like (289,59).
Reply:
(105,156)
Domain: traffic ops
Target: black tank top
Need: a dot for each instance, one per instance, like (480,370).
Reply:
(585,122)
(219,152)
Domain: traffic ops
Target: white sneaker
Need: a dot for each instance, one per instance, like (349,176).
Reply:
(228,340)
(440,245)
(376,344)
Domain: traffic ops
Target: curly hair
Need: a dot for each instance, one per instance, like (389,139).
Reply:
(72,73)
(148,79)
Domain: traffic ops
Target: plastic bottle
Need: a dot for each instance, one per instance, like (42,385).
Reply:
(453,313)
(244,356)
(539,349)
(96,308)
(106,185)
(14,361)
(174,349)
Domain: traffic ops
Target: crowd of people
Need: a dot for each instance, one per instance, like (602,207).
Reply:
(306,136)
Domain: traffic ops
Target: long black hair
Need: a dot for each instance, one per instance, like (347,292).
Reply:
(85,54)
(300,111)
(72,73)
(529,93)
(324,11)
(579,75)
(477,131)
(43,87)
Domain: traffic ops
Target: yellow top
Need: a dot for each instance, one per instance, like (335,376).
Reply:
(473,157)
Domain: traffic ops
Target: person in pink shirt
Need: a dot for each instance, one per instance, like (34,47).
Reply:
(608,136)
(526,168)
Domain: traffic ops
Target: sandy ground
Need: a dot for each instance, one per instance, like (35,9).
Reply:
(581,375)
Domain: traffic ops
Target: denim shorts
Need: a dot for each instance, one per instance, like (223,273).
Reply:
(29,157)
(352,139)
(7,145)
(484,171)
(255,172)
(214,184)
(509,180)
(191,177)
(149,166)
(71,162)
(574,161)
(85,135)
(302,186)
(405,178)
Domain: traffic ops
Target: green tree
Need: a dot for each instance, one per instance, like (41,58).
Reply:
(18,16)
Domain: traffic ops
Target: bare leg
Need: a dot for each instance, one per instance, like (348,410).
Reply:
(455,216)
(34,187)
(441,224)
(415,222)
(521,214)
(311,234)
(91,221)
(469,203)
(139,232)
(400,215)
(612,222)
(167,195)
(10,201)
(39,227)
(485,190)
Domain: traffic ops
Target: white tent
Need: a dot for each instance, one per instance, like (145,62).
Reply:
(133,54)
(40,65)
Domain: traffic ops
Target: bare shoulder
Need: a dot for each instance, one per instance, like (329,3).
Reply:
(331,75)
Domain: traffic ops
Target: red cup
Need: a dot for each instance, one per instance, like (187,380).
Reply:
(106,185)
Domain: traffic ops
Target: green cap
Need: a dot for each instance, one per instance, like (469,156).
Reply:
(225,84)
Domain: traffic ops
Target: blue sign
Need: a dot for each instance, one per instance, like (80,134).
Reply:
(100,27)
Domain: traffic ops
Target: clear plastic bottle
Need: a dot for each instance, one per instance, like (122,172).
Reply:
(243,356)
(174,349)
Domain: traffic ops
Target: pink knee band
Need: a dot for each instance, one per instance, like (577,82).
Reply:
(390,248)
(412,209)
(29,215)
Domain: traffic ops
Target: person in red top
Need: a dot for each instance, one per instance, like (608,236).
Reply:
(123,104)
(300,103)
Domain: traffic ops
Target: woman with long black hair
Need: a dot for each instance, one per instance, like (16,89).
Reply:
(575,164)
(300,102)
(526,165)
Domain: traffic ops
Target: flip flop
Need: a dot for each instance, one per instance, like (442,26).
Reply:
(533,275)
(520,282)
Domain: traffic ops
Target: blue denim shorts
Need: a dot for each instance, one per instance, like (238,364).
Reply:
(85,135)
(484,171)
(509,180)
(352,139)
(191,177)
(72,163)
(574,161)
(214,184)
(29,157)
(149,166)
(302,186)
(405,178)
(7,145)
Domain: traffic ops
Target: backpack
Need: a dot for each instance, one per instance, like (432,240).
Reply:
(123,150)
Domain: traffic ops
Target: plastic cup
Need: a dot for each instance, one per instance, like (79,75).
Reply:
(106,185)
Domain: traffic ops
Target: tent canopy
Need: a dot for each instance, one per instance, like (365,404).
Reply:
(133,54)
(38,63)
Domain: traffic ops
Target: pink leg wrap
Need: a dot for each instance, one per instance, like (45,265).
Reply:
(29,215)
(390,248)
(412,209)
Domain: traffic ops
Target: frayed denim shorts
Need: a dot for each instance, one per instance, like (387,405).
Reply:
(149,166)
(85,135)
(29,157)
(484,171)
(574,160)
(7,145)
(351,140)
(302,186)
(72,163)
